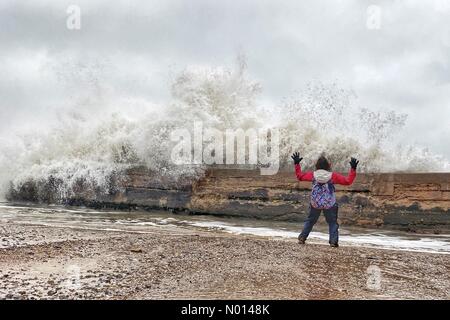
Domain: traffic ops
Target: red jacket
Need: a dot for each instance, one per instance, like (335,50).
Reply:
(336,178)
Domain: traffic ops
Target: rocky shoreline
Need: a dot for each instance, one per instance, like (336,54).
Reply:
(40,262)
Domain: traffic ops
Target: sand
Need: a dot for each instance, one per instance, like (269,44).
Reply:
(39,262)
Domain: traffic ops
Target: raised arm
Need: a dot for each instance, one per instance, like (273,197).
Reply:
(307,176)
(346,180)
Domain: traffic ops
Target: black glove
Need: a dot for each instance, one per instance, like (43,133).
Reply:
(296,158)
(354,163)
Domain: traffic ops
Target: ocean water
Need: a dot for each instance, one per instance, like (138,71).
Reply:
(145,222)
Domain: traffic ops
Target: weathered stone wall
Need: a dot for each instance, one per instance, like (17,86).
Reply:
(401,200)
(407,201)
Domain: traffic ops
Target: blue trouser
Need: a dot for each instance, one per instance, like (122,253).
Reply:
(331,217)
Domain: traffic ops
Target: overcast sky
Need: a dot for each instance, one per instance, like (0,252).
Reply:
(393,54)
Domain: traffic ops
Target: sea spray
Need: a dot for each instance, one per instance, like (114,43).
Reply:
(83,149)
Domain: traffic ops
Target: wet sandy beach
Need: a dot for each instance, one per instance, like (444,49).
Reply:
(43,262)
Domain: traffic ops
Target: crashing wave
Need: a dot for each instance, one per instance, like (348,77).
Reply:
(322,118)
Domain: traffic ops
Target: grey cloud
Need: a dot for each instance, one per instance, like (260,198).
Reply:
(403,65)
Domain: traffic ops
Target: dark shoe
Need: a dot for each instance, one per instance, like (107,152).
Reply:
(301,240)
(334,245)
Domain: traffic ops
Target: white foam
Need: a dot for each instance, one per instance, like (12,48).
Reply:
(376,240)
